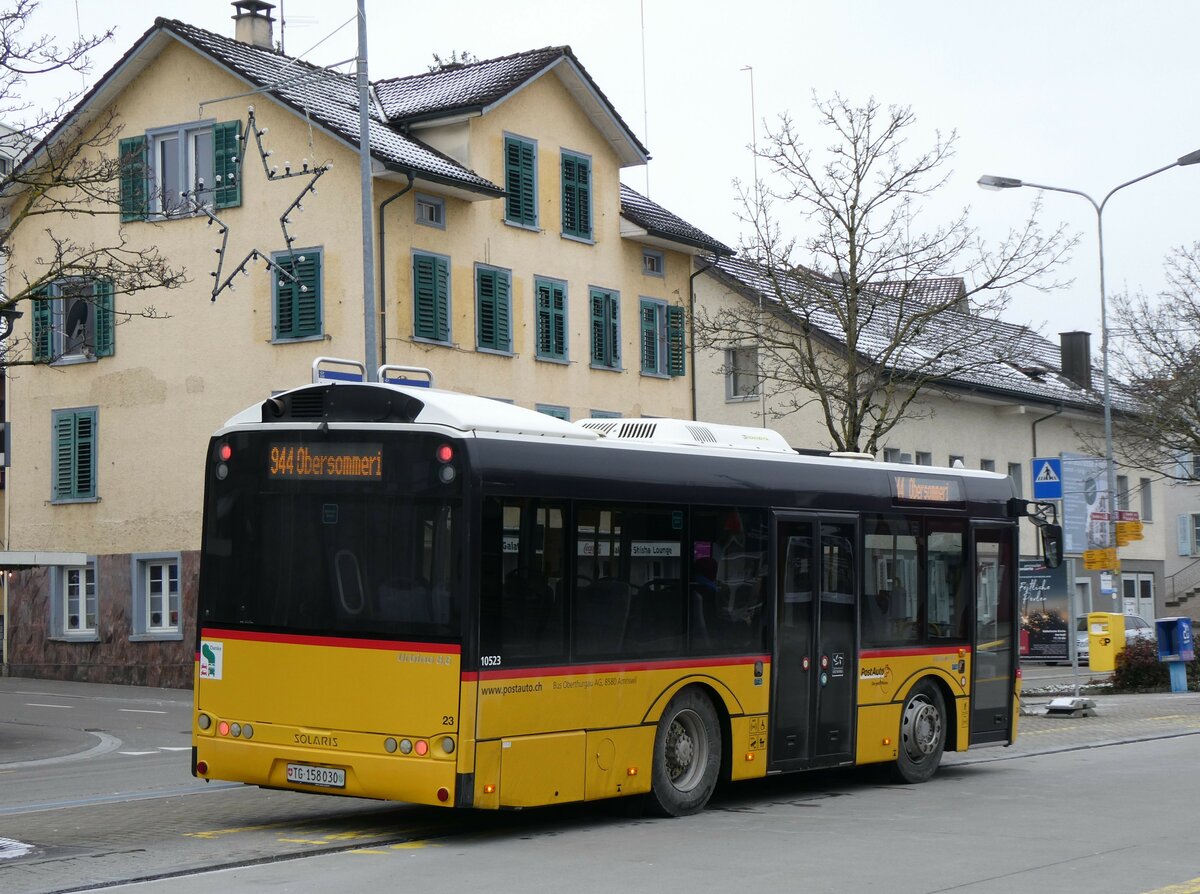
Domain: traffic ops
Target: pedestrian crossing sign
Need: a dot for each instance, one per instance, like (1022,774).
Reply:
(1047,478)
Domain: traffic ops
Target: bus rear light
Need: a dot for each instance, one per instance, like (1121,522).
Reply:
(489,789)
(446,474)
(406,746)
(204,721)
(631,771)
(247,731)
(749,755)
(235,729)
(443,795)
(1018,673)
(223,728)
(202,768)
(448,745)
(444,453)
(422,748)
(390,745)
(225,452)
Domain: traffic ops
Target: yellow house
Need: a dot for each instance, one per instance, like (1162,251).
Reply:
(508,258)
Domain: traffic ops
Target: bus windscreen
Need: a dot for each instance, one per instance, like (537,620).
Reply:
(333,538)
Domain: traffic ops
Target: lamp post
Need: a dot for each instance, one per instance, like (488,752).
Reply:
(988,181)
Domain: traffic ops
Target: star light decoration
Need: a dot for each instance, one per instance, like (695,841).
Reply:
(198,198)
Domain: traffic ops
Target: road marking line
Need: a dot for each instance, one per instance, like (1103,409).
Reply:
(136,753)
(174,747)
(139,711)
(37,705)
(1191,887)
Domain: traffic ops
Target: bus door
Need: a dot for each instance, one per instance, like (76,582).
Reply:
(813,678)
(995,655)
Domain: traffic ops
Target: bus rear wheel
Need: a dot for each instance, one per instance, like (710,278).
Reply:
(687,755)
(922,735)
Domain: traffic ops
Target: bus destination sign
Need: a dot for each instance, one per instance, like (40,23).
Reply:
(925,489)
(336,462)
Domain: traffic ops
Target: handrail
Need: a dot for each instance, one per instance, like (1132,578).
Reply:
(1170,579)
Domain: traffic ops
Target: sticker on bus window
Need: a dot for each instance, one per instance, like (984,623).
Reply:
(210,659)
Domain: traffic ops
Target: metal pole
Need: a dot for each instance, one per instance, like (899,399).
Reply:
(370,339)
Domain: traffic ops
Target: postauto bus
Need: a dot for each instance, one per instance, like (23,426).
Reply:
(426,596)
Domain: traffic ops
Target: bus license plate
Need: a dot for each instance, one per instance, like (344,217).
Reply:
(323,776)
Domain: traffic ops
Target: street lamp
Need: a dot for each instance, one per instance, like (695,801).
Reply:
(989,181)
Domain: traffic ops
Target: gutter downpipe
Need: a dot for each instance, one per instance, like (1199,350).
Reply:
(1034,425)
(383,271)
(692,326)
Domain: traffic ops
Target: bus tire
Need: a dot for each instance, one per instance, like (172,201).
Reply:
(687,755)
(922,734)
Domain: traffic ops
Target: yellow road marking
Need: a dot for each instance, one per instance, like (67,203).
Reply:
(1192,887)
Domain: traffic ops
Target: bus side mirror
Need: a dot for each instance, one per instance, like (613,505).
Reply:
(1052,544)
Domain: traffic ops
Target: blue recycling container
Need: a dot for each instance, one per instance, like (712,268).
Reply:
(1175,648)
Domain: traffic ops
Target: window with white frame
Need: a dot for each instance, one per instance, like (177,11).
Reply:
(431,211)
(653,262)
(75,614)
(73,321)
(201,159)
(156,595)
(741,373)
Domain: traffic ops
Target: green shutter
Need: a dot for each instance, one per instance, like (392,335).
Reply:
(521,202)
(605,330)
(227,148)
(105,322)
(577,196)
(551,320)
(43,325)
(134,172)
(298,304)
(649,336)
(676,342)
(431,298)
(492,302)
(74,455)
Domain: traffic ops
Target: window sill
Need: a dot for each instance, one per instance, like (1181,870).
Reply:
(166,636)
(299,339)
(495,352)
(66,501)
(583,240)
(432,341)
(559,361)
(611,369)
(741,399)
(75,638)
(649,374)
(517,225)
(73,359)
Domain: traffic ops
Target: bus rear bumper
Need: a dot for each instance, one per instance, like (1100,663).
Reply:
(393,777)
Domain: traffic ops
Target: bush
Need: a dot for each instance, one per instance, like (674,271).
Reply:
(1139,670)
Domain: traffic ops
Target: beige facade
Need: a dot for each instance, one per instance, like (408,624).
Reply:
(173,379)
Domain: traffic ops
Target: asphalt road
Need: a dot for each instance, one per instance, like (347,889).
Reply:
(1093,804)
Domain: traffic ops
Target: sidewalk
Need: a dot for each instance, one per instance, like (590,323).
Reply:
(1118,718)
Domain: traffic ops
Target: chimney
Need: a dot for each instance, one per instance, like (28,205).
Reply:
(253,23)
(1077,358)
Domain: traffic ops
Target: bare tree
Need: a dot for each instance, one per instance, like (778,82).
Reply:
(60,168)
(867,312)
(1156,357)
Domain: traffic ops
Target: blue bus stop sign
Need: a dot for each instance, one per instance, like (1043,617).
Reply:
(1047,478)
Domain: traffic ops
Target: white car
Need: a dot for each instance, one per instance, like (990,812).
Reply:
(1135,628)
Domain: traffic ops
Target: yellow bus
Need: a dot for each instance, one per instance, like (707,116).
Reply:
(426,596)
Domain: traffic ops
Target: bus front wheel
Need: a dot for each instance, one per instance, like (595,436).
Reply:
(922,734)
(687,755)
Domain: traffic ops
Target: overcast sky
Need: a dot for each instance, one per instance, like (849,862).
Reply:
(1084,94)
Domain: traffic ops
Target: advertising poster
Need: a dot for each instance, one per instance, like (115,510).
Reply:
(1045,611)
(1085,503)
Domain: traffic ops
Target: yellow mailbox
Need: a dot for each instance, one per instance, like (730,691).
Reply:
(1106,637)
